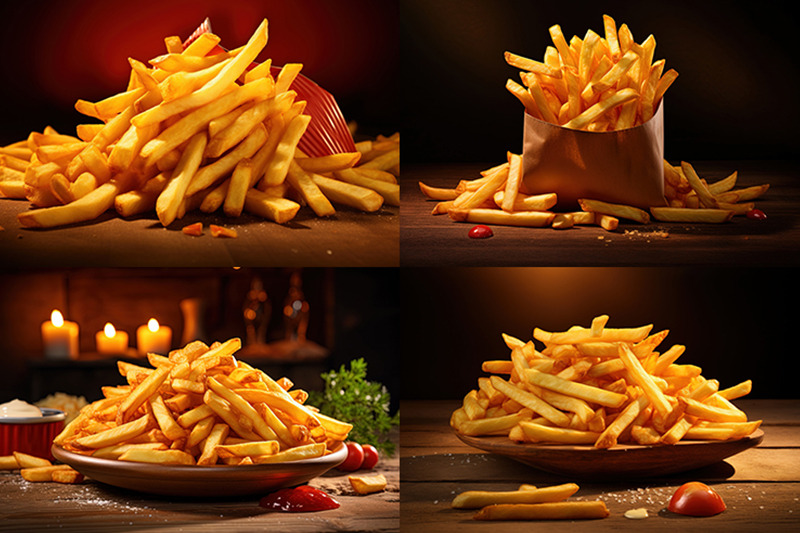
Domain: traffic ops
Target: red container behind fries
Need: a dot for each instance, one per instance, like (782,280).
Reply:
(327,133)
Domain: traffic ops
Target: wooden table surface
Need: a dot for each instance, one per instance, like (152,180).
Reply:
(761,486)
(95,507)
(348,239)
(427,240)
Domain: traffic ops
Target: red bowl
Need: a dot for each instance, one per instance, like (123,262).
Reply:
(31,435)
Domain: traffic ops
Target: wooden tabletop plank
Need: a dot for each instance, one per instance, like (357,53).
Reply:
(348,239)
(428,240)
(760,486)
(94,507)
(750,507)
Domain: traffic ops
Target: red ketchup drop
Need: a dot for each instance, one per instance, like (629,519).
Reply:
(480,232)
(300,499)
(756,214)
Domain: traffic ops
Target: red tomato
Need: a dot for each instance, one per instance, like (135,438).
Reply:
(370,456)
(696,499)
(355,456)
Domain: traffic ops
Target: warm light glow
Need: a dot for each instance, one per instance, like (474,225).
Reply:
(152,325)
(56,318)
(109,330)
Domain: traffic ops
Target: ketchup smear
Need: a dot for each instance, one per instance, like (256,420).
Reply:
(480,232)
(300,499)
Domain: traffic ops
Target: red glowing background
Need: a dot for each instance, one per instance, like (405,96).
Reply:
(58,52)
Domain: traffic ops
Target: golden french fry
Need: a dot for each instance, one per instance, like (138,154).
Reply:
(86,208)
(349,194)
(577,510)
(41,473)
(298,453)
(681,214)
(170,198)
(615,210)
(367,484)
(479,499)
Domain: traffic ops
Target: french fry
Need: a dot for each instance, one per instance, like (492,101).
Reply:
(41,473)
(173,193)
(367,484)
(25,460)
(614,210)
(535,219)
(165,457)
(576,510)
(683,214)
(479,499)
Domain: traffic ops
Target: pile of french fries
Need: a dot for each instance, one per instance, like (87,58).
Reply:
(595,83)
(201,406)
(196,129)
(600,386)
(598,83)
(529,502)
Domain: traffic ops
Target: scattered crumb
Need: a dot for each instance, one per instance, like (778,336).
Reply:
(195,229)
(647,235)
(219,231)
(636,514)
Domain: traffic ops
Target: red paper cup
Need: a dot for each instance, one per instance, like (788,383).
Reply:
(31,435)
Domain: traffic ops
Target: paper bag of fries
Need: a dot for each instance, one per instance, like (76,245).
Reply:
(594,122)
(622,167)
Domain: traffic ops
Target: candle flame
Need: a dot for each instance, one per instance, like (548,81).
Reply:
(152,325)
(56,318)
(109,330)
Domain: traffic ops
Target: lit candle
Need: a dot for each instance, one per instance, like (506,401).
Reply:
(60,337)
(111,341)
(153,338)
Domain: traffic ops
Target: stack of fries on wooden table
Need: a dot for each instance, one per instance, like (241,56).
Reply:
(598,83)
(201,406)
(199,128)
(598,387)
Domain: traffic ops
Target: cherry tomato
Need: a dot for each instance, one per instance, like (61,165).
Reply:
(696,499)
(480,232)
(370,456)
(756,214)
(355,456)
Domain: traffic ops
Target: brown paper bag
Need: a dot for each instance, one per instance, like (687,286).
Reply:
(624,167)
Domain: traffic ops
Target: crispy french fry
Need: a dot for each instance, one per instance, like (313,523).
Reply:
(479,499)
(577,510)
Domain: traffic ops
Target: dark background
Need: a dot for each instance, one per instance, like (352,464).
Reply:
(736,324)
(55,52)
(354,312)
(734,98)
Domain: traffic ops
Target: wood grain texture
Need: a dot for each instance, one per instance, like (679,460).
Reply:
(348,239)
(94,507)
(428,240)
(759,486)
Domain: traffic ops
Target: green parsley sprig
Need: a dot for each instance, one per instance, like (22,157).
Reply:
(350,397)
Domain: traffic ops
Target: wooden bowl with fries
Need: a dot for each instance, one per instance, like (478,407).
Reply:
(200,481)
(200,422)
(630,461)
(598,401)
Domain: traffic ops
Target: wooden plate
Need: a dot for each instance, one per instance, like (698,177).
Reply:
(200,481)
(620,461)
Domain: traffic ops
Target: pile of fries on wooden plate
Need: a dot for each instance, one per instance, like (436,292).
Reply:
(198,406)
(596,83)
(196,129)
(600,386)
